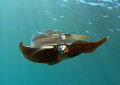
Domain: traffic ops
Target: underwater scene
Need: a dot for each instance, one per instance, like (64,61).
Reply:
(59,42)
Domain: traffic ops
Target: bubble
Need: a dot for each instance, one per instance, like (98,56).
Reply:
(111,30)
(87,31)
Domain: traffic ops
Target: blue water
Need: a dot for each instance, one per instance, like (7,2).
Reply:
(95,18)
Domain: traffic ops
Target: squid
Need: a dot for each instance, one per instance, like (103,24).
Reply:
(57,49)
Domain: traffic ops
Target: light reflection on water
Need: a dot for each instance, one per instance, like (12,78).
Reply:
(98,2)
(106,4)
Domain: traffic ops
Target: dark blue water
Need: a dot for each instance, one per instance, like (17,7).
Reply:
(94,18)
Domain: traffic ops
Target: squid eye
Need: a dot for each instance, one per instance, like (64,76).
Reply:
(55,31)
(61,48)
(62,36)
